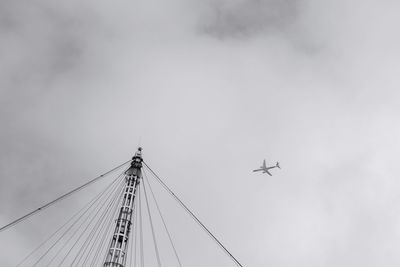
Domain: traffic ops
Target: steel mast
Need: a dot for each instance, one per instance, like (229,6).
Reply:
(117,251)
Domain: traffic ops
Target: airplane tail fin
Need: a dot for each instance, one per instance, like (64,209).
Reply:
(277,165)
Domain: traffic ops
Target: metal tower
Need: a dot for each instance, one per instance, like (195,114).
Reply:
(117,251)
(118,197)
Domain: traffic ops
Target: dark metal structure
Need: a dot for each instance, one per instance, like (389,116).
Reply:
(110,215)
(117,251)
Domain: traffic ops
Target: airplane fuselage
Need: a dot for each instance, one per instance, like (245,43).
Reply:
(266,169)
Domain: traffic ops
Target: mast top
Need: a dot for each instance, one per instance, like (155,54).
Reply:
(136,163)
(138,153)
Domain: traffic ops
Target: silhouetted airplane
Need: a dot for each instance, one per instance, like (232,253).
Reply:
(265,169)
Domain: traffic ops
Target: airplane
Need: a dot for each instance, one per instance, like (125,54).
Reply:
(265,169)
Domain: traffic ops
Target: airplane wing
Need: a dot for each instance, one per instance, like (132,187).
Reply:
(264,166)
(266,171)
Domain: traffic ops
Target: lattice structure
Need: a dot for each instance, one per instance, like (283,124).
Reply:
(110,215)
(117,252)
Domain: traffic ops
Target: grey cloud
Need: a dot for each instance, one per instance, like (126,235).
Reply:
(41,43)
(230,19)
(82,81)
(42,47)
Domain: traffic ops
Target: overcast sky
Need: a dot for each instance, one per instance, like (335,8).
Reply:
(209,89)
